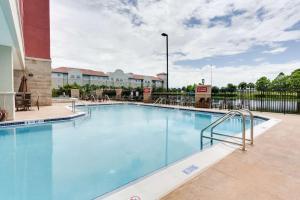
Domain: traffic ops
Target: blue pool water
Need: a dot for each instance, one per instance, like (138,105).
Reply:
(90,156)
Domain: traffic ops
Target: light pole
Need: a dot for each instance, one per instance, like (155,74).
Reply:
(211,75)
(167,55)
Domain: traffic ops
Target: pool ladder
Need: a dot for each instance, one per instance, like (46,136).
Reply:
(160,100)
(219,121)
(107,97)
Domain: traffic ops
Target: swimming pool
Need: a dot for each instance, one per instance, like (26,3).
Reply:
(94,155)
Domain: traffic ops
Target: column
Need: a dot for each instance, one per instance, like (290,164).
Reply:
(147,94)
(7,100)
(203,96)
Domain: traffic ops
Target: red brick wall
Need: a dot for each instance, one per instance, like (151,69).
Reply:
(36,28)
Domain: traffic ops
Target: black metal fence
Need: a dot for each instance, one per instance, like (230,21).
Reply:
(285,101)
(183,99)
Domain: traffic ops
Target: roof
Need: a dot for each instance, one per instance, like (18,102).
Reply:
(137,77)
(155,78)
(163,73)
(83,71)
(142,77)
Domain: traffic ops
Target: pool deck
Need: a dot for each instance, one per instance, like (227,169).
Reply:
(269,170)
(55,111)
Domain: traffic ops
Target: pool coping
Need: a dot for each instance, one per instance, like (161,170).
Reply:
(174,175)
(40,121)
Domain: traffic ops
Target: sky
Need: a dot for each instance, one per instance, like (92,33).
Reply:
(234,40)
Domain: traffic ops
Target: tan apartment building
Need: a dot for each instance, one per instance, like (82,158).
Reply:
(65,75)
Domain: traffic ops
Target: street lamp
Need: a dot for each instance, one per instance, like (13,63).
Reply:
(167,55)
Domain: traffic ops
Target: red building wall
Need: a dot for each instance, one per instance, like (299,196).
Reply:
(36,28)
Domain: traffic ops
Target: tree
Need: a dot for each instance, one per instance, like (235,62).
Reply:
(294,80)
(295,84)
(223,89)
(190,88)
(231,88)
(281,82)
(215,89)
(262,84)
(296,71)
(242,85)
(251,85)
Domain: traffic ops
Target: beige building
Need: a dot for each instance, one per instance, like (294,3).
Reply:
(66,75)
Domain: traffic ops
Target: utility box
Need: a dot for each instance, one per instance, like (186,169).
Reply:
(147,95)
(203,96)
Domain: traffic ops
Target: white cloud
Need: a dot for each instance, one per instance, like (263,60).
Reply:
(276,50)
(259,59)
(230,74)
(108,34)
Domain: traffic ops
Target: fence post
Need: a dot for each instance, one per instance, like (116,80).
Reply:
(284,105)
(298,101)
(261,100)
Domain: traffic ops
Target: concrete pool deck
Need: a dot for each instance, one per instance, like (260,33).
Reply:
(269,170)
(55,111)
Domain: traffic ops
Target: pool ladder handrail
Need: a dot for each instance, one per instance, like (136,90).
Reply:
(251,124)
(73,104)
(107,97)
(159,100)
(230,115)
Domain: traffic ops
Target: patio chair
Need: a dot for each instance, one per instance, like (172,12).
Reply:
(19,102)
(3,115)
(27,101)
(93,98)
(23,101)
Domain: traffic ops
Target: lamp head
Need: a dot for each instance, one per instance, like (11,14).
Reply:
(164,34)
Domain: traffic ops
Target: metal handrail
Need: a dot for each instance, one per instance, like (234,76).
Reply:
(221,120)
(107,97)
(251,124)
(73,105)
(157,100)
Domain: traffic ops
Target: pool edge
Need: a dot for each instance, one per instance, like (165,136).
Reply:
(40,121)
